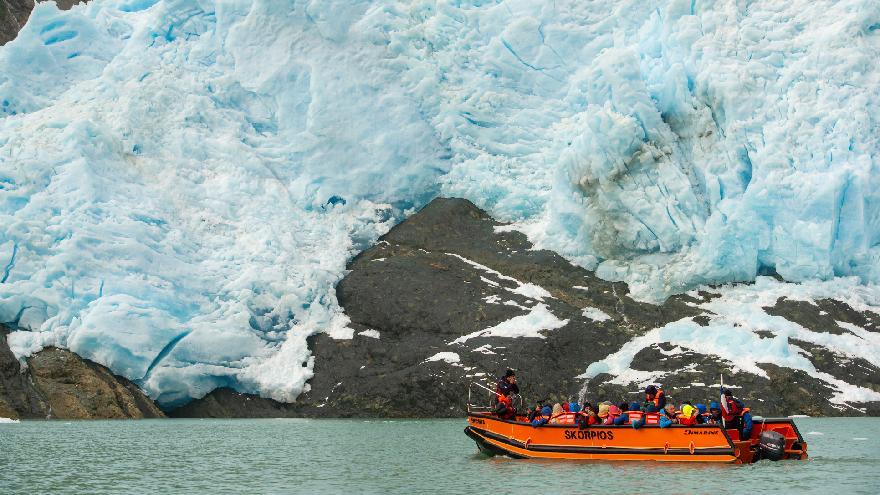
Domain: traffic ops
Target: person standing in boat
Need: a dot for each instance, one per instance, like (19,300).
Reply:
(507,386)
(504,390)
(655,397)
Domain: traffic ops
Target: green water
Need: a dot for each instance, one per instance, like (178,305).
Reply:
(405,456)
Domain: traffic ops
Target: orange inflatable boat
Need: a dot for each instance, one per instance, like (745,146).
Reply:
(701,443)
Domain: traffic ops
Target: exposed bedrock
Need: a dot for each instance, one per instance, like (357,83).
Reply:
(58,384)
(418,299)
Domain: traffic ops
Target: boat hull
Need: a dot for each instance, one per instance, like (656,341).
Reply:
(677,443)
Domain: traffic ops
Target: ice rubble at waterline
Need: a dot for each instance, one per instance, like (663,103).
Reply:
(184,180)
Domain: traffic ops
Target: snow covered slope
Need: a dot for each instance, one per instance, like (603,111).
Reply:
(183,180)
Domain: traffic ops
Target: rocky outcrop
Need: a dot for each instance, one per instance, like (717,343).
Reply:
(227,403)
(451,270)
(58,384)
(14,14)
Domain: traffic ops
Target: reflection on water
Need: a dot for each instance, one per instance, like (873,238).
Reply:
(385,456)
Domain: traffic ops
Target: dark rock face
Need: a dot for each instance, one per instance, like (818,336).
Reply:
(227,403)
(58,384)
(18,395)
(448,272)
(14,14)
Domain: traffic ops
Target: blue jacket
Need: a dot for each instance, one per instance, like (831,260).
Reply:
(747,425)
(621,420)
(664,420)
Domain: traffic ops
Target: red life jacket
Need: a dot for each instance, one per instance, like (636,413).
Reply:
(652,418)
(635,416)
(734,408)
(687,421)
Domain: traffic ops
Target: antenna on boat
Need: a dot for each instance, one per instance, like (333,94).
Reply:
(723,423)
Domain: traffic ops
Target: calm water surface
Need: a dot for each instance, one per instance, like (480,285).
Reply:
(403,456)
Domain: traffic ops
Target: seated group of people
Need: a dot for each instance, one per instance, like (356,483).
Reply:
(654,411)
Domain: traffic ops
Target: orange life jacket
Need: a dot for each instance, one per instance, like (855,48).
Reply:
(635,416)
(652,418)
(564,418)
(656,399)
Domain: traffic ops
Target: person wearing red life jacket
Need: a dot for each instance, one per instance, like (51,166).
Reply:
(504,389)
(689,415)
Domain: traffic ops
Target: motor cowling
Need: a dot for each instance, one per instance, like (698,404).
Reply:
(771,445)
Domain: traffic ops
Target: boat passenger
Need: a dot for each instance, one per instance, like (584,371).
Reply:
(702,414)
(603,412)
(587,417)
(734,409)
(652,415)
(544,417)
(636,416)
(671,412)
(574,407)
(623,418)
(534,412)
(688,416)
(615,416)
(566,407)
(504,408)
(665,420)
(507,384)
(746,424)
(655,396)
(714,413)
(557,413)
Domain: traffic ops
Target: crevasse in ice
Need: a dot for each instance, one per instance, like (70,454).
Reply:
(182,181)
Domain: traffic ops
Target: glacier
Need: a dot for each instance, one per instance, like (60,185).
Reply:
(183,181)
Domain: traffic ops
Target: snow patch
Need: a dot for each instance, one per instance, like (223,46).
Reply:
(595,314)
(8,421)
(530,325)
(373,334)
(528,290)
(735,318)
(446,357)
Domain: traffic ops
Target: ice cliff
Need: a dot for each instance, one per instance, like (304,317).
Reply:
(183,181)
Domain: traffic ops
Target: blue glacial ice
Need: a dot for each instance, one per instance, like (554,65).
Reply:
(182,181)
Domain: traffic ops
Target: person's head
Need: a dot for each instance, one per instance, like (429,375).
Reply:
(670,410)
(510,376)
(574,407)
(650,391)
(623,407)
(614,410)
(715,409)
(603,410)
(634,406)
(701,408)
(546,411)
(557,409)
(688,410)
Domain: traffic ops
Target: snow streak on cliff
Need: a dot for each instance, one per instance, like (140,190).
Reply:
(182,181)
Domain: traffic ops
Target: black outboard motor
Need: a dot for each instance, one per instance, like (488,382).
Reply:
(771,445)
